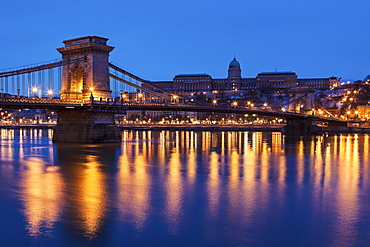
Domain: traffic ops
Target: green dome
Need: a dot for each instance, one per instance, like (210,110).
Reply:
(234,64)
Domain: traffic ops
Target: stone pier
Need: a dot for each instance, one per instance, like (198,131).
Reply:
(301,127)
(81,125)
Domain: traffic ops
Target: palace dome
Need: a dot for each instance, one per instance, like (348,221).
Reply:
(234,64)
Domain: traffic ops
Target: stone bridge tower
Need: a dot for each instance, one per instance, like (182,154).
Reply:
(91,76)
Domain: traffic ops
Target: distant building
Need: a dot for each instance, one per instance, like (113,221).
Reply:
(191,84)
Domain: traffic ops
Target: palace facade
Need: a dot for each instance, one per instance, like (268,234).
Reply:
(191,84)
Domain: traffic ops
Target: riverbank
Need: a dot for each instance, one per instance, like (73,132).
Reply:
(31,126)
(207,127)
(203,127)
(242,127)
(345,130)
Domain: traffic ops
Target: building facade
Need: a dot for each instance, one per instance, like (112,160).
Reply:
(192,84)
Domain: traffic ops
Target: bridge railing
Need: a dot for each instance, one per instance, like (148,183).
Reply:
(39,100)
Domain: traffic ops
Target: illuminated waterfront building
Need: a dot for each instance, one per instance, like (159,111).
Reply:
(191,84)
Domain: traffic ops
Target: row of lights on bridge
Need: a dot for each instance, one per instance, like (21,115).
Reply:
(35,89)
(140,95)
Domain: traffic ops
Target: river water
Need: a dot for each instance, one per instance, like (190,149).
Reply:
(184,188)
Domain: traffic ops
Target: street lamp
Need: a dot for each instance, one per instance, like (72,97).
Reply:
(50,93)
(140,96)
(235,103)
(214,102)
(175,97)
(34,90)
(348,112)
(91,95)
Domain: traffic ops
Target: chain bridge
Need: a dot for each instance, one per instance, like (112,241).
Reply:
(87,91)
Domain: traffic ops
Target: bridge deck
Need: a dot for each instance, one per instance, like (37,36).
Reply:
(119,107)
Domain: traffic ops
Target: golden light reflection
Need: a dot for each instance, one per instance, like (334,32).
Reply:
(249,170)
(276,142)
(133,185)
(300,162)
(264,160)
(174,197)
(336,174)
(42,195)
(233,191)
(347,189)
(318,160)
(192,163)
(213,184)
(92,197)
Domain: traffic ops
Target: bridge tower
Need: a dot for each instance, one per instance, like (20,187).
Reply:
(80,81)
(89,77)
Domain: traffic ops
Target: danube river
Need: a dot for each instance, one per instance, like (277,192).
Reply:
(184,188)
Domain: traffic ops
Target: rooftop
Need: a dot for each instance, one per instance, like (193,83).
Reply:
(193,75)
(278,73)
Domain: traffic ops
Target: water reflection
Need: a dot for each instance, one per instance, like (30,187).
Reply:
(253,172)
(133,182)
(224,188)
(86,170)
(42,195)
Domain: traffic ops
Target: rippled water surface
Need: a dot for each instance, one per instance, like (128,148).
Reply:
(183,188)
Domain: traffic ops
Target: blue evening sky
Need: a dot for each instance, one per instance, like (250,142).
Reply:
(162,38)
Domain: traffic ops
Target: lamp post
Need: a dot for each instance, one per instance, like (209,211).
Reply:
(34,90)
(50,93)
(91,95)
(175,98)
(140,96)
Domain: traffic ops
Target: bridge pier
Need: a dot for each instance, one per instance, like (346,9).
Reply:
(301,127)
(78,125)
